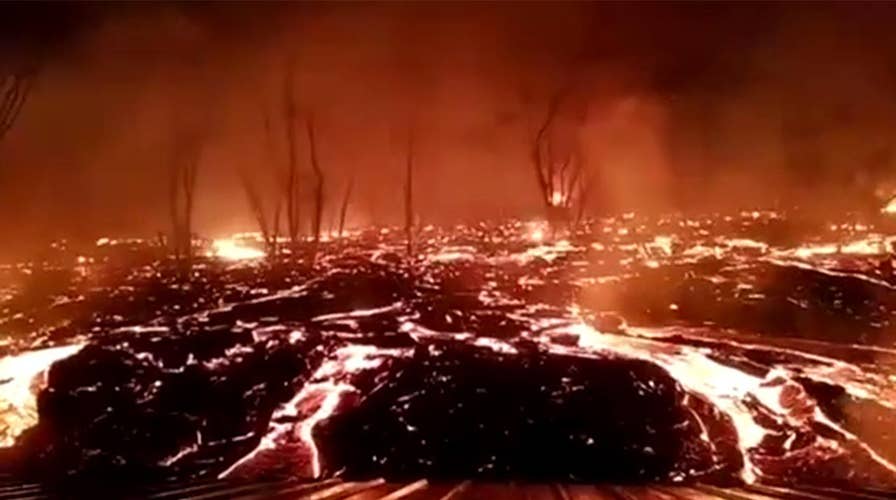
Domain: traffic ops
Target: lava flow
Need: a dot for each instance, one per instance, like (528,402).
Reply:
(21,378)
(639,350)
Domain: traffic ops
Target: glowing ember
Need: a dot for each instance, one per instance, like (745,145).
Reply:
(548,251)
(890,207)
(536,231)
(664,243)
(757,406)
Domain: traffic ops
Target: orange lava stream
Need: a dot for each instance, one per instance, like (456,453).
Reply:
(295,420)
(22,377)
(728,388)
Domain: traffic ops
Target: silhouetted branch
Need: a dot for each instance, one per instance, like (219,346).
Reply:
(14,90)
(292,178)
(558,171)
(344,208)
(319,184)
(256,205)
(268,225)
(183,174)
(409,194)
(540,158)
(583,198)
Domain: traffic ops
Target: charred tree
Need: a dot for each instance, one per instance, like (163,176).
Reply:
(318,186)
(343,209)
(583,195)
(267,225)
(559,171)
(292,178)
(183,173)
(267,220)
(273,237)
(541,161)
(409,194)
(14,90)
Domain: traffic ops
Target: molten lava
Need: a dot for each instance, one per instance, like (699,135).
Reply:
(22,377)
(643,350)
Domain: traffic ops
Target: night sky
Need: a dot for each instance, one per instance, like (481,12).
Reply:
(674,106)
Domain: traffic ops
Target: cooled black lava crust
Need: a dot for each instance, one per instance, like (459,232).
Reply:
(195,392)
(454,411)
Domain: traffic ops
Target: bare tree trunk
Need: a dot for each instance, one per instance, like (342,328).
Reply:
(318,187)
(174,210)
(292,180)
(274,243)
(256,205)
(409,195)
(268,225)
(560,172)
(189,191)
(541,154)
(272,240)
(14,90)
(344,208)
(584,195)
(183,174)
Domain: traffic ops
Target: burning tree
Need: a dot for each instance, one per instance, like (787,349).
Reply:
(559,167)
(182,175)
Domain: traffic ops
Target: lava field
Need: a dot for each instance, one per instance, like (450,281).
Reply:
(720,349)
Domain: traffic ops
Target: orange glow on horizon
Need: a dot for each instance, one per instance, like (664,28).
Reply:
(890,207)
(231,249)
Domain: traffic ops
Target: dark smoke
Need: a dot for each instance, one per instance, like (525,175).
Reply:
(675,106)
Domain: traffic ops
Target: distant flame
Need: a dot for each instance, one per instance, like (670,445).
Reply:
(230,249)
(890,207)
(536,231)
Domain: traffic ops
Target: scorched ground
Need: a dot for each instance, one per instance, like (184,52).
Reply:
(751,347)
